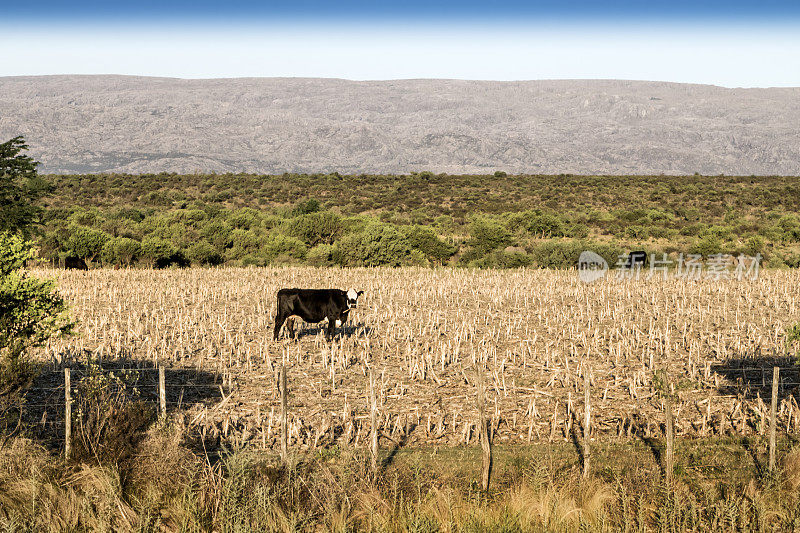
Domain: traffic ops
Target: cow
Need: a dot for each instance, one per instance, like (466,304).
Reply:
(636,259)
(315,305)
(77,263)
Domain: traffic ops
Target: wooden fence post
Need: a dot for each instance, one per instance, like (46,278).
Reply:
(284,415)
(67,414)
(483,432)
(373,417)
(162,392)
(586,423)
(773,416)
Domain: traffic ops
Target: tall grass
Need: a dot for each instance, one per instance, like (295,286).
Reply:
(167,487)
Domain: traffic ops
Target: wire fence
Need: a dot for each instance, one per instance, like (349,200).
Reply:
(278,425)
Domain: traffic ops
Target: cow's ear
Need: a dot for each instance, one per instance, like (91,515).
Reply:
(359,293)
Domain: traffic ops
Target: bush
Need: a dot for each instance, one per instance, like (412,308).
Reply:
(315,228)
(487,234)
(218,233)
(279,248)
(542,224)
(309,206)
(378,245)
(109,417)
(565,254)
(792,260)
(504,259)
(753,245)
(707,245)
(31,311)
(557,254)
(243,242)
(789,228)
(243,218)
(425,240)
(320,255)
(86,243)
(159,253)
(121,250)
(203,253)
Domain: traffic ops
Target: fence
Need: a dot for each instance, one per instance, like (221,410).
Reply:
(212,392)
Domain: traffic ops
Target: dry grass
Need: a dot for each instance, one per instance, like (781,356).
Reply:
(534,332)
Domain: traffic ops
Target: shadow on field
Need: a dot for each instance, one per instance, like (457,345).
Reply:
(302,329)
(41,413)
(397,445)
(752,376)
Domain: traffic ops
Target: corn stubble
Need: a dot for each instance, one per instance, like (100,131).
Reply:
(534,333)
(539,338)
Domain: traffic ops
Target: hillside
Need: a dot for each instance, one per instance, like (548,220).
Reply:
(80,124)
(469,220)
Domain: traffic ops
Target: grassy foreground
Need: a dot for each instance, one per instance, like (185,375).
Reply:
(167,485)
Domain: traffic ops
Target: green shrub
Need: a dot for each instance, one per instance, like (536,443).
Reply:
(218,233)
(122,251)
(557,254)
(320,255)
(109,417)
(134,215)
(243,218)
(278,248)
(565,254)
(156,199)
(86,243)
(203,253)
(789,227)
(160,253)
(31,311)
(754,245)
(309,206)
(792,260)
(707,245)
(243,242)
(378,245)
(487,234)
(425,240)
(315,228)
(504,259)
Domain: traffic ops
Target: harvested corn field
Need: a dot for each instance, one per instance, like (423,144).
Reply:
(533,333)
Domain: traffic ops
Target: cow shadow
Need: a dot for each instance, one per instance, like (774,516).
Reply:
(39,412)
(751,376)
(303,329)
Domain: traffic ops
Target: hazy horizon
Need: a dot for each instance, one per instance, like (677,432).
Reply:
(728,44)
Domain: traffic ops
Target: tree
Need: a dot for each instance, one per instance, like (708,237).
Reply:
(87,243)
(20,188)
(121,250)
(203,253)
(487,235)
(31,310)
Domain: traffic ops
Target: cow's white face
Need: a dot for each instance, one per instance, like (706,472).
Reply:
(352,298)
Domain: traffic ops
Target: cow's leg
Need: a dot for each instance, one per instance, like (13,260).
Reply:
(331,329)
(279,320)
(290,327)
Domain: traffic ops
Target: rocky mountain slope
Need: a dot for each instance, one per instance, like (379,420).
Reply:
(272,125)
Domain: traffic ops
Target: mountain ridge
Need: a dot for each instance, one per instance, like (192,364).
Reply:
(136,124)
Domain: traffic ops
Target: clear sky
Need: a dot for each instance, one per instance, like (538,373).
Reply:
(729,43)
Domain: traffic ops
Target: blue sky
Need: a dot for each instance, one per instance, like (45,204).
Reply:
(730,43)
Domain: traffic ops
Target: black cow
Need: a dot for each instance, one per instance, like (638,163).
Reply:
(638,258)
(76,263)
(315,305)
